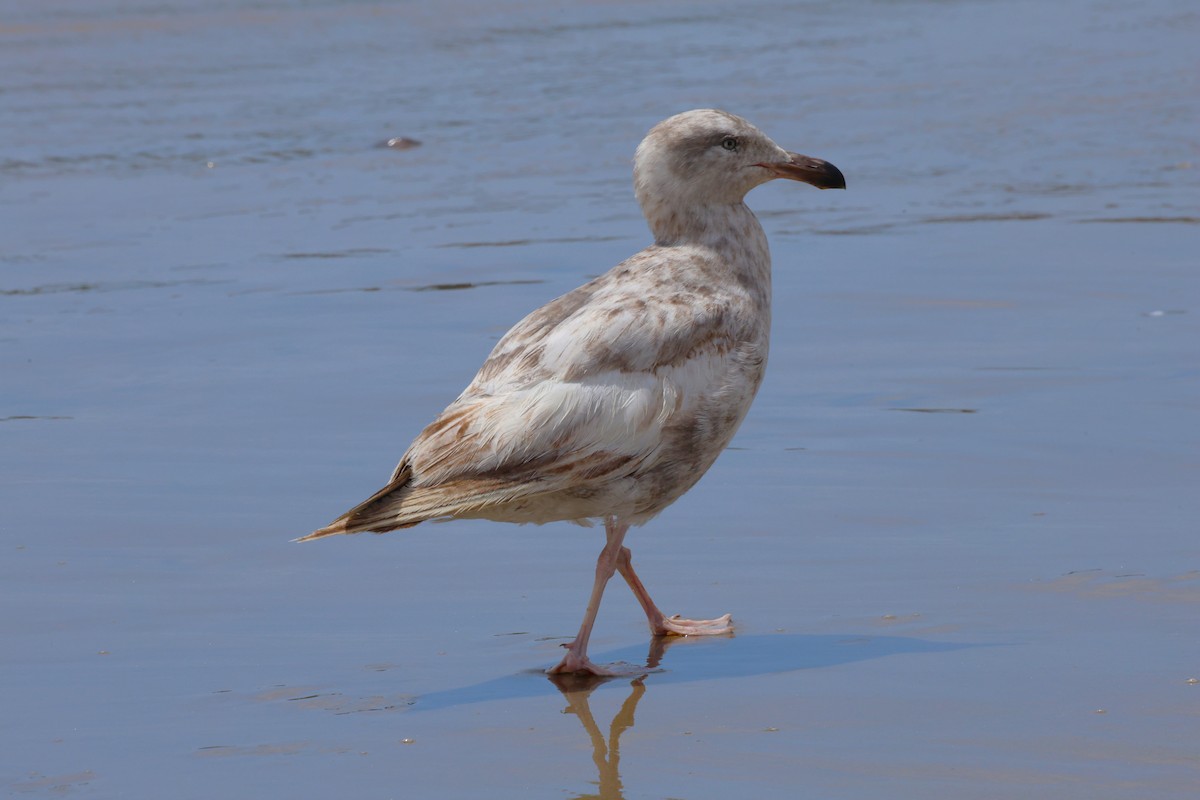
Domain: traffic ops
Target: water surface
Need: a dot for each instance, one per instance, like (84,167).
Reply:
(957,532)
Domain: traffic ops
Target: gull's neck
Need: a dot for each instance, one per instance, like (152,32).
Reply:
(730,231)
(704,225)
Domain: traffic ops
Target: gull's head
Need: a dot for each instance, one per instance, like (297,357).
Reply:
(708,157)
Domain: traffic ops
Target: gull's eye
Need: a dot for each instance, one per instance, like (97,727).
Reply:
(730,143)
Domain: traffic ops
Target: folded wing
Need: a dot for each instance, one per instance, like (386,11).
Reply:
(576,394)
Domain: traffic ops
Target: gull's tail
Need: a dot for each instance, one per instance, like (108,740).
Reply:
(377,514)
(402,505)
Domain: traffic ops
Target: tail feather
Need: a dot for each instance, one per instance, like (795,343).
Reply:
(402,505)
(367,513)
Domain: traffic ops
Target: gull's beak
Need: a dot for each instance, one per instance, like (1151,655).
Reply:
(806,169)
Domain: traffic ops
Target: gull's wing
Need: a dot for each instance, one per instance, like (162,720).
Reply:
(579,391)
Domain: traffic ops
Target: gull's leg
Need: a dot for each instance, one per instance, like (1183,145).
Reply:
(661,624)
(576,659)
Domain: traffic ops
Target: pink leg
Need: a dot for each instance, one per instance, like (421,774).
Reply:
(576,659)
(661,624)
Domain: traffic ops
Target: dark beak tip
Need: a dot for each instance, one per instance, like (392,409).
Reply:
(834,179)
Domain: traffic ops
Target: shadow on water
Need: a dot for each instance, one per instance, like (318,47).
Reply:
(99,287)
(432,287)
(698,659)
(641,672)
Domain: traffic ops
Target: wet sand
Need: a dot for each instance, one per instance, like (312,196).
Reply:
(957,532)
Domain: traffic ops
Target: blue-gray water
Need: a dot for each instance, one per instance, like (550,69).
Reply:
(958,531)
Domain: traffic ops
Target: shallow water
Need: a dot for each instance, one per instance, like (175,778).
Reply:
(957,532)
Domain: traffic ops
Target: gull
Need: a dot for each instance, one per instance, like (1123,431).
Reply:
(611,401)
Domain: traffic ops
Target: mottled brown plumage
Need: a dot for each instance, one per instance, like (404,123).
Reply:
(611,401)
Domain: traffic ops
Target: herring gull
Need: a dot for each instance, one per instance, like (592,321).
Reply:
(611,401)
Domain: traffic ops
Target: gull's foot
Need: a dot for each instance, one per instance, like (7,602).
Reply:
(678,626)
(579,665)
(588,674)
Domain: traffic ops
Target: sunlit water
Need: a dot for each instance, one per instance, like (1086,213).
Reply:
(957,532)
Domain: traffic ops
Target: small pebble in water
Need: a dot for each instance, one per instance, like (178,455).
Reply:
(400,143)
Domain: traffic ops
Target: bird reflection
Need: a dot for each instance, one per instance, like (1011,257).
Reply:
(577,687)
